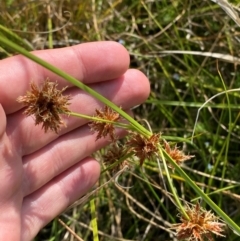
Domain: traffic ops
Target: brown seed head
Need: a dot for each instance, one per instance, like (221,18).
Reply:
(103,128)
(201,225)
(177,155)
(144,148)
(46,104)
(114,154)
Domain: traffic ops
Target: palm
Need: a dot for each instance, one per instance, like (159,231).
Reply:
(41,172)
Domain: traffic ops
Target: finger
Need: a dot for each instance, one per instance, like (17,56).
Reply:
(127,91)
(10,196)
(43,165)
(88,62)
(42,206)
(10,165)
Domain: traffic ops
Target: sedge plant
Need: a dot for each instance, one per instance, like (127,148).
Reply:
(47,104)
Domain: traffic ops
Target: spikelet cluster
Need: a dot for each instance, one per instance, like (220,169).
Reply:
(46,104)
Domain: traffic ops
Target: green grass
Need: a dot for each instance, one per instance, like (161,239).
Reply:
(180,84)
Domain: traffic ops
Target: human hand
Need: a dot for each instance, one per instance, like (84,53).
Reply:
(43,173)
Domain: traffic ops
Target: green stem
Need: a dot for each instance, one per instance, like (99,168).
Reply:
(94,220)
(77,83)
(205,197)
(93,118)
(135,125)
(179,205)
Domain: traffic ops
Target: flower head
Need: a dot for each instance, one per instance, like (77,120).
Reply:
(46,104)
(201,225)
(105,128)
(113,156)
(143,147)
(177,155)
